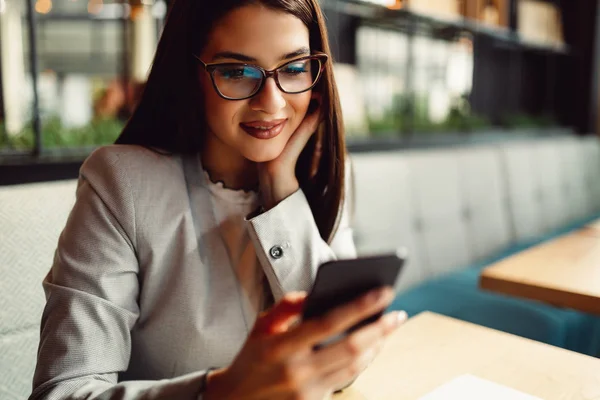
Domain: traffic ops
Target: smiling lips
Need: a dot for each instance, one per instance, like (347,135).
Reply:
(264,129)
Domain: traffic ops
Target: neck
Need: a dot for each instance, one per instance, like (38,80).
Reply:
(224,164)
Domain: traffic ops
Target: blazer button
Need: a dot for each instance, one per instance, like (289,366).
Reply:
(276,252)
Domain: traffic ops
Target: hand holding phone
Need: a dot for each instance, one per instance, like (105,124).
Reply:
(278,343)
(339,282)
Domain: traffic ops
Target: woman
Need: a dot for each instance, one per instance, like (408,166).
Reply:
(181,271)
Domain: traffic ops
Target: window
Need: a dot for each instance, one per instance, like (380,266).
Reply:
(92,59)
(16,96)
(414,83)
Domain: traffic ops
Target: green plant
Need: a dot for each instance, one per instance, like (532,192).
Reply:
(388,125)
(527,121)
(56,135)
(23,140)
(3,137)
(462,119)
(393,122)
(411,113)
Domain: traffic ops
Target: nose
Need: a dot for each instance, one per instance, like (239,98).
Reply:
(270,99)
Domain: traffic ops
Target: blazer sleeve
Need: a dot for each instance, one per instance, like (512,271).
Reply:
(91,297)
(289,246)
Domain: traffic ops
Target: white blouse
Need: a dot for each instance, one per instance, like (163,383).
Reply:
(231,207)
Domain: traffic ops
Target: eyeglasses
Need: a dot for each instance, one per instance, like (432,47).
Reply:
(240,81)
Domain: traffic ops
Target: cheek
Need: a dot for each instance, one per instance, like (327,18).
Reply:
(220,113)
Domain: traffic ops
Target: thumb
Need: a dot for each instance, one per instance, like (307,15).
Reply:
(282,316)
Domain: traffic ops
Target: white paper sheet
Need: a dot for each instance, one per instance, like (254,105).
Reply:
(469,387)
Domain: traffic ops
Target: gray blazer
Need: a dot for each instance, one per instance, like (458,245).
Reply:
(140,298)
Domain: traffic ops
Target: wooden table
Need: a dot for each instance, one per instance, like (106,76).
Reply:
(430,350)
(593,228)
(564,272)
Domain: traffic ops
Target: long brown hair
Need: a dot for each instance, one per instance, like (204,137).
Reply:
(170,113)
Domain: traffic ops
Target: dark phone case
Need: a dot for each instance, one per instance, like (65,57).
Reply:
(339,282)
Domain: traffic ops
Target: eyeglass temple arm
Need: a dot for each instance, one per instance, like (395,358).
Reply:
(204,65)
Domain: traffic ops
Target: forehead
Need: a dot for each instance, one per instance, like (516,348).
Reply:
(258,32)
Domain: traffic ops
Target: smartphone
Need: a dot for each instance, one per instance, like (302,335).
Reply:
(339,282)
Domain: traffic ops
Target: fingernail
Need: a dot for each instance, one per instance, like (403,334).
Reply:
(402,316)
(396,319)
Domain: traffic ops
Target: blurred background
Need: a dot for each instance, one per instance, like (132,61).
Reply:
(410,72)
(473,132)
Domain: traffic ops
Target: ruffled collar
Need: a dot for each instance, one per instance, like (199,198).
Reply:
(219,189)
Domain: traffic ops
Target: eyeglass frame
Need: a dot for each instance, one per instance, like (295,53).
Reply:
(266,74)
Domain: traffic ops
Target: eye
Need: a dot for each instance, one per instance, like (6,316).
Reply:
(230,72)
(238,72)
(296,68)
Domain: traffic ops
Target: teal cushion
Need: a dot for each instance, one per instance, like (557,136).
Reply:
(455,297)
(470,275)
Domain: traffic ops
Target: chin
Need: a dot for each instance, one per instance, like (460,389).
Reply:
(263,153)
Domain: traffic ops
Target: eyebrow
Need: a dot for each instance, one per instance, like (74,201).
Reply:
(244,58)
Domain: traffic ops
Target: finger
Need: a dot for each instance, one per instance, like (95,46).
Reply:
(283,315)
(342,377)
(307,127)
(313,116)
(357,343)
(315,106)
(312,367)
(337,321)
(369,338)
